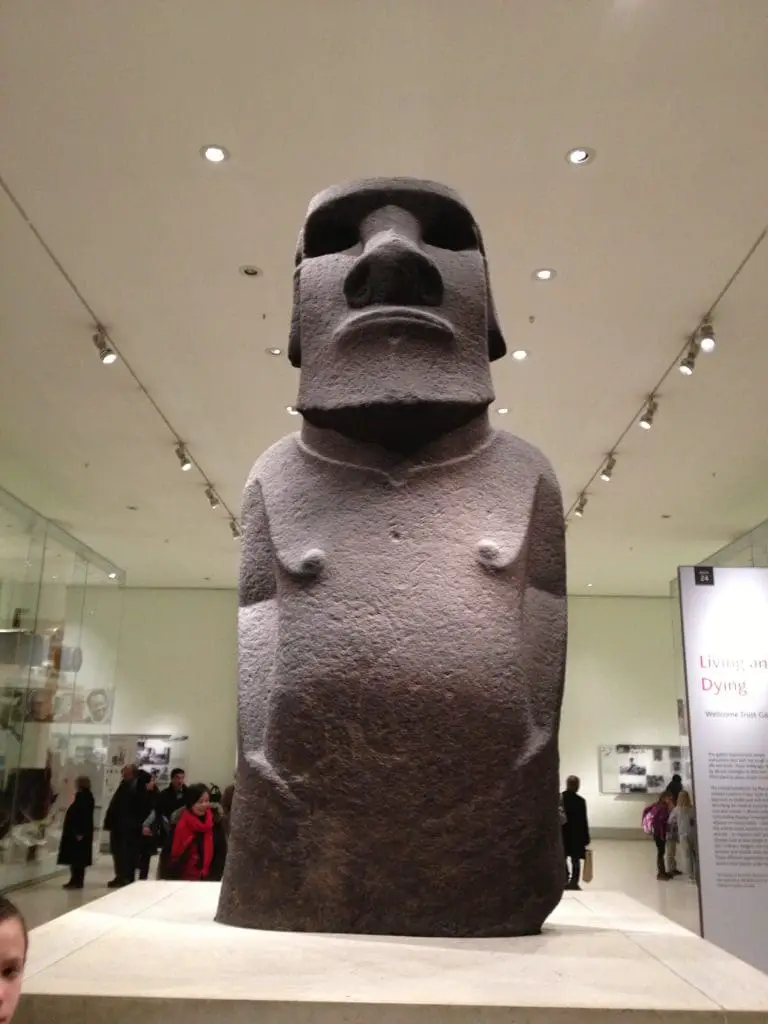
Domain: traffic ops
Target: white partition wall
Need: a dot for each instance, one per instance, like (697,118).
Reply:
(725,637)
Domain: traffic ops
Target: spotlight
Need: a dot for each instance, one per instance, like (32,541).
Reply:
(214,154)
(184,460)
(544,274)
(503,411)
(707,339)
(579,157)
(212,497)
(113,575)
(235,529)
(608,468)
(520,355)
(646,420)
(688,363)
(106,354)
(581,504)
(274,351)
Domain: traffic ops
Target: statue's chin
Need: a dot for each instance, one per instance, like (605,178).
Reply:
(402,427)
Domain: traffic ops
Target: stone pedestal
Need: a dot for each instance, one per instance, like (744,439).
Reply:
(152,952)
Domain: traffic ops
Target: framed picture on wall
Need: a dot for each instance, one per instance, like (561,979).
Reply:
(625,769)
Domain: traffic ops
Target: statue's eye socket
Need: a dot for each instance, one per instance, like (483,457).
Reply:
(450,231)
(322,239)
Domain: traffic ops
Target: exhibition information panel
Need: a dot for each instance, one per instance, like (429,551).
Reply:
(725,636)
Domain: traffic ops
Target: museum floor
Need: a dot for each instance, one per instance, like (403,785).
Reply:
(621,866)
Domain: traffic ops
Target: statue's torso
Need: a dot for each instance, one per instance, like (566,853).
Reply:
(399,697)
(401,617)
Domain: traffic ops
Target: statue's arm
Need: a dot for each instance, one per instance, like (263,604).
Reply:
(257,564)
(547,554)
(257,618)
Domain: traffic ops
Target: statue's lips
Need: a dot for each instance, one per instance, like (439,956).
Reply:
(402,319)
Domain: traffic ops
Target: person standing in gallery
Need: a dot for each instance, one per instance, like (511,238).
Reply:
(173,798)
(659,820)
(682,819)
(192,849)
(76,846)
(674,789)
(151,838)
(123,822)
(576,836)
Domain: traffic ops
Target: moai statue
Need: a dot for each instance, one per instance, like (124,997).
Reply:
(402,602)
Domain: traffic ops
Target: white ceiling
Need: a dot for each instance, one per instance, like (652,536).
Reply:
(105,108)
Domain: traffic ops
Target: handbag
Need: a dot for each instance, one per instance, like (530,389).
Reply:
(589,867)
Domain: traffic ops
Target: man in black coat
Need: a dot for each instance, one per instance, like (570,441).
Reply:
(123,821)
(76,847)
(172,799)
(576,836)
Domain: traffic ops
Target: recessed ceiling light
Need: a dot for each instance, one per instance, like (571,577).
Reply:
(520,354)
(291,410)
(214,154)
(248,270)
(544,274)
(274,351)
(589,586)
(579,156)
(113,575)
(502,411)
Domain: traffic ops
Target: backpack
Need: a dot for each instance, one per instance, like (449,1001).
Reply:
(649,820)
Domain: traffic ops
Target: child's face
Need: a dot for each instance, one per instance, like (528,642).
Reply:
(13,953)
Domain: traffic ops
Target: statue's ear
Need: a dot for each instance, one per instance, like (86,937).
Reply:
(497,347)
(294,339)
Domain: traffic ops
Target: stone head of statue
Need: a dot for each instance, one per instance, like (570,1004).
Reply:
(393,324)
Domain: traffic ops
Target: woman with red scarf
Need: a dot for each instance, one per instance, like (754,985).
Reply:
(192,849)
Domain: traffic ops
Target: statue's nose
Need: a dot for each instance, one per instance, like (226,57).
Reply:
(394,271)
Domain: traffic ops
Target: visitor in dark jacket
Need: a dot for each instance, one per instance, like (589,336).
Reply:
(123,822)
(576,836)
(661,812)
(151,838)
(76,846)
(173,798)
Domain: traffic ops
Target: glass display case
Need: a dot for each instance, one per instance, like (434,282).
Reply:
(60,611)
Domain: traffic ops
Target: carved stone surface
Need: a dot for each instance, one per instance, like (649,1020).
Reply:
(403,612)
